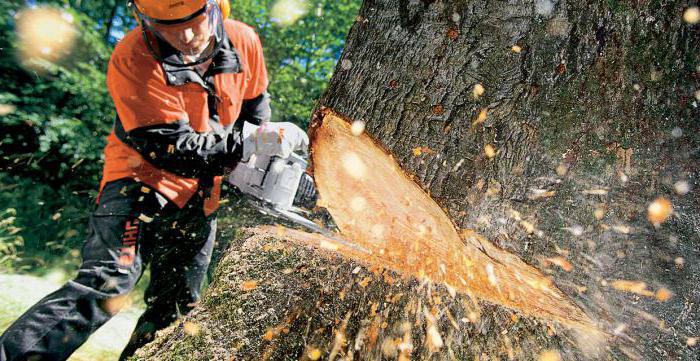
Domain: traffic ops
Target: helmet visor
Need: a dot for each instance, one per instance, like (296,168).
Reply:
(195,38)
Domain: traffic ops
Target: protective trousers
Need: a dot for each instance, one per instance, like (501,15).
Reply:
(132,226)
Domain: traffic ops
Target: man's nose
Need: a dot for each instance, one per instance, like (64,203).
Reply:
(187,35)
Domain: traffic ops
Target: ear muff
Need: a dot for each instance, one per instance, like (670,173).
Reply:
(225,7)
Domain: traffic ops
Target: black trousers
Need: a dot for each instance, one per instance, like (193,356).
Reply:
(132,226)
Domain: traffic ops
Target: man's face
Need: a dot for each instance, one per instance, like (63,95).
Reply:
(191,38)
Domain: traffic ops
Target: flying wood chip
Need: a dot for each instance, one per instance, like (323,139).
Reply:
(417,236)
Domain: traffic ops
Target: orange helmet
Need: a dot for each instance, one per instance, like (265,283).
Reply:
(192,27)
(177,10)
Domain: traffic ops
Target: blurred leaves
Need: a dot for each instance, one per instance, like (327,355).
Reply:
(60,116)
(301,56)
(30,209)
(10,241)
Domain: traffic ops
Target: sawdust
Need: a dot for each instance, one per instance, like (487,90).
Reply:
(417,238)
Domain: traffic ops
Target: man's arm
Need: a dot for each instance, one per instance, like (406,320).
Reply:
(257,110)
(177,148)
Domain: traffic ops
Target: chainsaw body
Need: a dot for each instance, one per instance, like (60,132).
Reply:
(277,185)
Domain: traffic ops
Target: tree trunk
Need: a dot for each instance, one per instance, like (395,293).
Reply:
(549,128)
(588,113)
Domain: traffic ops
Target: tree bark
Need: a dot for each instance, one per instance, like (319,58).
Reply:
(547,127)
(591,111)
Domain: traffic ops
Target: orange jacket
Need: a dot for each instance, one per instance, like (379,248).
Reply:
(147,93)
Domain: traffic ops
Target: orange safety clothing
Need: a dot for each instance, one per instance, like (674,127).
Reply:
(147,93)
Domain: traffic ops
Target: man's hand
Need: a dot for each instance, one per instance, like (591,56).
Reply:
(273,139)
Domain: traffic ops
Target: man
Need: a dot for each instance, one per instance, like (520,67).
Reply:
(183,83)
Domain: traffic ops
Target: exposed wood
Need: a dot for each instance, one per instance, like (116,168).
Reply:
(377,206)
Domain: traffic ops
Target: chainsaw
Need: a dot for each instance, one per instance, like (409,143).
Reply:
(281,188)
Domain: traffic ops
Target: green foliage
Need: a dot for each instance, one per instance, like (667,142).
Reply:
(61,115)
(51,221)
(300,57)
(11,242)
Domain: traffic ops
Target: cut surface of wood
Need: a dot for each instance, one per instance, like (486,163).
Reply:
(378,207)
